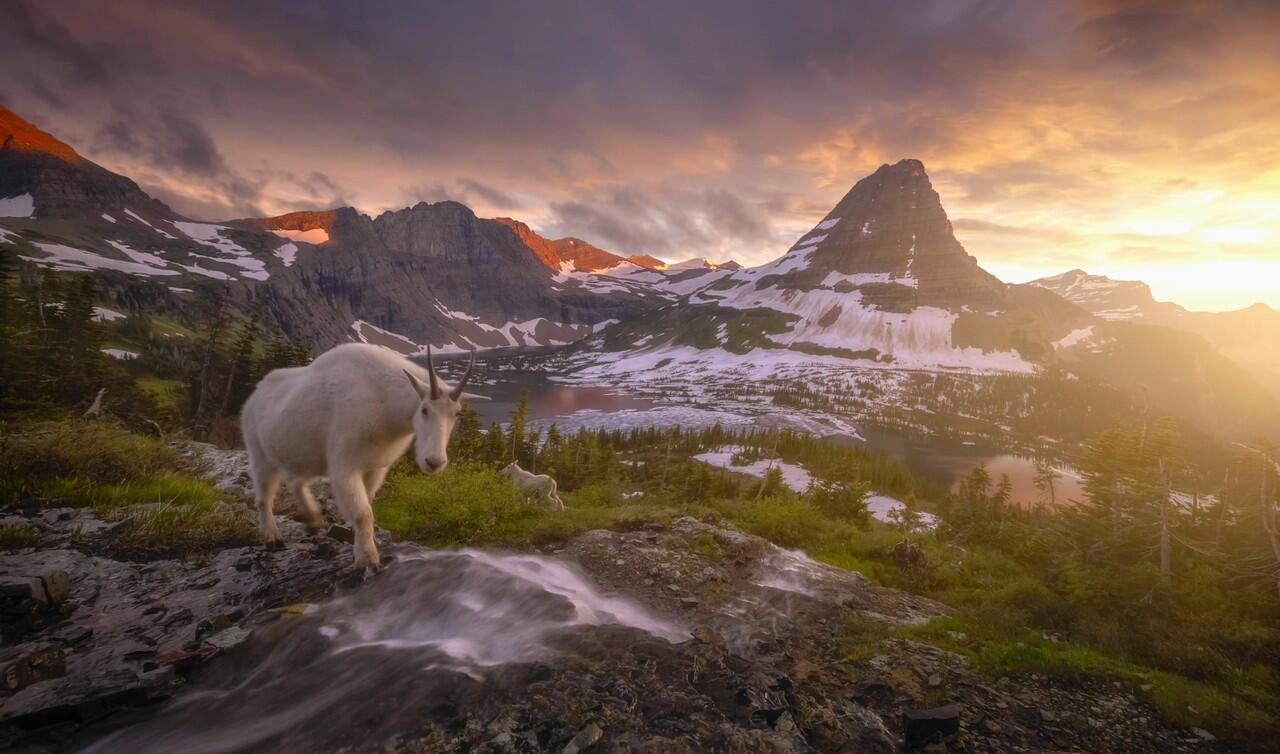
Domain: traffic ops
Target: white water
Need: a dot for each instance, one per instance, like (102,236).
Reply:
(377,659)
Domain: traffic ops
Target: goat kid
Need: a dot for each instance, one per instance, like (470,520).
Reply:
(534,485)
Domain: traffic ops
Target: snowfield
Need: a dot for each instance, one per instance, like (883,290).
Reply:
(78,260)
(22,205)
(796,477)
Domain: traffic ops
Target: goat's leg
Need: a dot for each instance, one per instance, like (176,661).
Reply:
(312,516)
(349,492)
(266,483)
(373,481)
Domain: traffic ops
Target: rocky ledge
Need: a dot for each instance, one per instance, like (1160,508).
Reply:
(688,638)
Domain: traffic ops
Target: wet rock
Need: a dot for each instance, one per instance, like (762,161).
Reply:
(227,638)
(585,739)
(341,533)
(919,727)
(47,586)
(72,635)
(1203,734)
(23,666)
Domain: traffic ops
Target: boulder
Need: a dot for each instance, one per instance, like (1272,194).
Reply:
(921,726)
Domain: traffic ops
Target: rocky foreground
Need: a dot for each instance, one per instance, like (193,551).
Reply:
(690,638)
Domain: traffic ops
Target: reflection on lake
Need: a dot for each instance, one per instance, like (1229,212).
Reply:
(547,399)
(946,461)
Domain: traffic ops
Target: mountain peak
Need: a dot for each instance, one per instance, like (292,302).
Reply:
(908,166)
(891,229)
(579,255)
(19,134)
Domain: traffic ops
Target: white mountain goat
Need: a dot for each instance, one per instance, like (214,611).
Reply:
(348,415)
(534,485)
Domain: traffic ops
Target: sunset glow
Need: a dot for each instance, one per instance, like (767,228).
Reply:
(1129,139)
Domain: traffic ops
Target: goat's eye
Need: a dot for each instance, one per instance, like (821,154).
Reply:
(426,411)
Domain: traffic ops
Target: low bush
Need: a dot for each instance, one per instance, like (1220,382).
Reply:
(86,451)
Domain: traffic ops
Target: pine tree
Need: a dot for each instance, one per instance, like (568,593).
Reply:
(518,437)
(215,323)
(240,368)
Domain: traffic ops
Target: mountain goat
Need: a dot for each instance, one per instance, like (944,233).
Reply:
(348,415)
(534,485)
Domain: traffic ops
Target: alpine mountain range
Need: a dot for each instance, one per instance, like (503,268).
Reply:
(880,282)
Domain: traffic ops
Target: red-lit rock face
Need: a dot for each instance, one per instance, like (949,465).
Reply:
(18,134)
(583,257)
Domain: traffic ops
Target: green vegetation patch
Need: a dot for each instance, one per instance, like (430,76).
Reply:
(32,456)
(18,536)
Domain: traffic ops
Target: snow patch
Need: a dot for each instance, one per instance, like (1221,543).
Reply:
(887,509)
(120,353)
(827,224)
(22,205)
(233,253)
(78,260)
(796,477)
(103,314)
(1075,337)
(143,220)
(864,278)
(108,218)
(287,253)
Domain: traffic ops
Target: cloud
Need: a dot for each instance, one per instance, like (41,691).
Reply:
(708,128)
(976,226)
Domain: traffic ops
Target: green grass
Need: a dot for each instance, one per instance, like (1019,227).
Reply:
(17,537)
(109,499)
(167,394)
(90,452)
(470,505)
(997,650)
(182,528)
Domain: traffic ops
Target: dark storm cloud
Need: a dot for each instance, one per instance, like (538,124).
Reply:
(168,140)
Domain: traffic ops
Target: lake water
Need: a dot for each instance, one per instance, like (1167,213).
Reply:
(941,460)
(946,461)
(547,400)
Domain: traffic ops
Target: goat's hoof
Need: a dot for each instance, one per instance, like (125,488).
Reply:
(316,525)
(275,545)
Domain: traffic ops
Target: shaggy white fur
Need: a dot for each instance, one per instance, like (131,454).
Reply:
(347,416)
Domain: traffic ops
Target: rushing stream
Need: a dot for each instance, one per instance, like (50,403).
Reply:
(372,661)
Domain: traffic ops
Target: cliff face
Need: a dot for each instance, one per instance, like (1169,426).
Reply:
(62,184)
(573,254)
(891,231)
(432,273)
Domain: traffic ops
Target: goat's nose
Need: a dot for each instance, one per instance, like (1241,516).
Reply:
(432,464)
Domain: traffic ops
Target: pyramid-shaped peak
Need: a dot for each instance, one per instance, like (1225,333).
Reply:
(891,228)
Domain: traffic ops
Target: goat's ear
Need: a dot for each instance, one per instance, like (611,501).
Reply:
(472,397)
(421,387)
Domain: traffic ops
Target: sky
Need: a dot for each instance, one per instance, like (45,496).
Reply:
(1134,139)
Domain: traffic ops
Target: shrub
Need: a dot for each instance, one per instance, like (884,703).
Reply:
(16,537)
(461,505)
(88,452)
